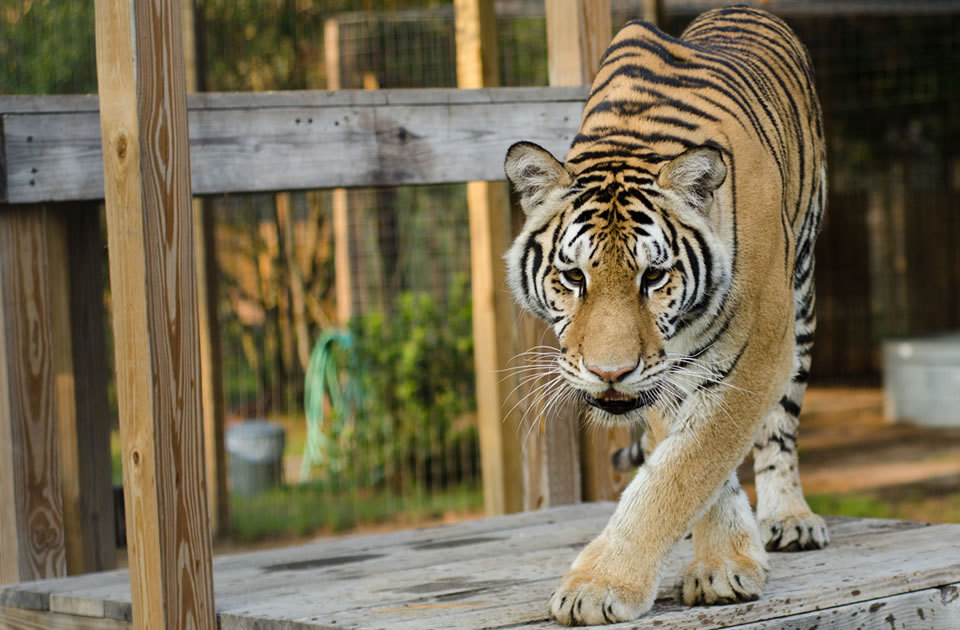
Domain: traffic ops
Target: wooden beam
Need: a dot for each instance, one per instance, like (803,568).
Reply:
(322,139)
(211,376)
(75,259)
(152,277)
(653,11)
(31,512)
(577,35)
(343,275)
(494,332)
(578,31)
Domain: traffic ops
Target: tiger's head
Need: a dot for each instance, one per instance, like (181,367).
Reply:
(620,258)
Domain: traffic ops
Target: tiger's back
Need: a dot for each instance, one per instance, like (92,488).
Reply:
(737,79)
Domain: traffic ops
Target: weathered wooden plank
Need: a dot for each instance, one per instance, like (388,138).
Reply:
(463,580)
(21,619)
(501,590)
(76,279)
(286,99)
(931,609)
(322,139)
(520,603)
(240,571)
(448,572)
(472,576)
(31,511)
(152,274)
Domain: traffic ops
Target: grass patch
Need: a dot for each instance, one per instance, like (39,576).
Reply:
(855,505)
(308,509)
(925,508)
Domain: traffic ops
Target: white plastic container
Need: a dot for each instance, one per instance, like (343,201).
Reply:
(921,380)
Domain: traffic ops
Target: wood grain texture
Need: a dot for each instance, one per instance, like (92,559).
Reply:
(498,573)
(74,261)
(211,376)
(30,502)
(577,34)
(150,236)
(308,139)
(20,619)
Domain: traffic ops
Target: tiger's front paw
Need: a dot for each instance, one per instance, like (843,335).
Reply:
(583,599)
(719,580)
(794,532)
(602,588)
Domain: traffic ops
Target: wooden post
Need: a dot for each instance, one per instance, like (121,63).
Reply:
(653,11)
(578,31)
(494,317)
(343,277)
(577,35)
(74,264)
(31,513)
(143,116)
(211,376)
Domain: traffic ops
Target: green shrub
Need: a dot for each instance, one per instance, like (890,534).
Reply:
(408,397)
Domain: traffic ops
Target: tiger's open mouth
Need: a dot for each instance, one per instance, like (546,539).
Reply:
(618,403)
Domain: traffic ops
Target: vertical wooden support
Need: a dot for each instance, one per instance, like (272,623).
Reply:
(653,11)
(211,378)
(341,257)
(150,237)
(75,259)
(577,34)
(343,277)
(578,31)
(494,317)
(31,513)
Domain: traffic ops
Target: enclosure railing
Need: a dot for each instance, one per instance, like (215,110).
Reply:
(51,181)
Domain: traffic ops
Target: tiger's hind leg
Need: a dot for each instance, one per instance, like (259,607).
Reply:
(785,520)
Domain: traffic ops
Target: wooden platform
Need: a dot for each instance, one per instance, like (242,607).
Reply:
(499,572)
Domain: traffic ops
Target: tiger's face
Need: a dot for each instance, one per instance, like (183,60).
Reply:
(619,261)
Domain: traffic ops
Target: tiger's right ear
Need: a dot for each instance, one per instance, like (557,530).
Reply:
(534,173)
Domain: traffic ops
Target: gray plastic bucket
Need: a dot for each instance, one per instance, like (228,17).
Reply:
(255,449)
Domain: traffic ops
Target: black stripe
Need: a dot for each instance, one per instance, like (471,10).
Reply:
(790,407)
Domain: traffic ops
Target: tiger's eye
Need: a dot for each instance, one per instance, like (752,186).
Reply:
(652,276)
(573,276)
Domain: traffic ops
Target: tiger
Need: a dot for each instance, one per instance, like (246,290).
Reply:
(672,254)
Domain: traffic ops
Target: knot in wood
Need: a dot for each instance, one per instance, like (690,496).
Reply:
(121,145)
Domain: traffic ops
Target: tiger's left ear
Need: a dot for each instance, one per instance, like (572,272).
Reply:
(694,175)
(534,173)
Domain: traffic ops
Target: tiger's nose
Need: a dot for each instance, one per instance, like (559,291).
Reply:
(612,375)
